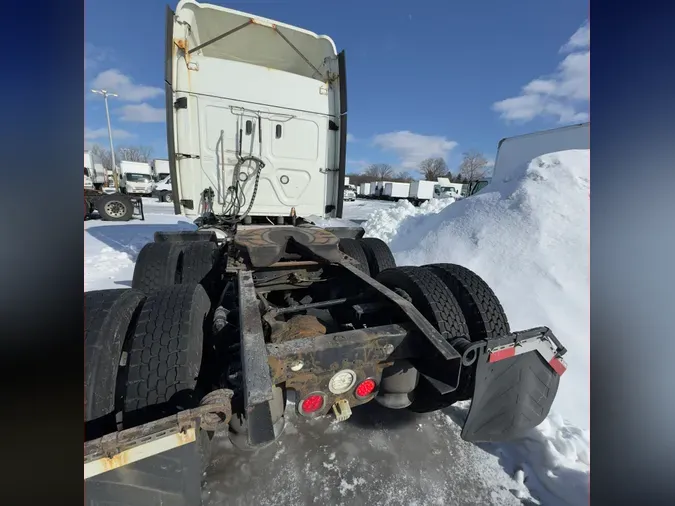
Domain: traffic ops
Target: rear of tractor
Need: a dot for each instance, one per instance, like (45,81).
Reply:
(218,331)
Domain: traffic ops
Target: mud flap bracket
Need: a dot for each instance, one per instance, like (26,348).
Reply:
(516,383)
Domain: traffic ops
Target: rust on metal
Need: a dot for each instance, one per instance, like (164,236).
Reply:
(365,351)
(298,327)
(139,452)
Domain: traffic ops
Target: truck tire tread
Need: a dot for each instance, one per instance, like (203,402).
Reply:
(484,313)
(378,254)
(157,266)
(198,261)
(165,353)
(108,316)
(353,249)
(430,296)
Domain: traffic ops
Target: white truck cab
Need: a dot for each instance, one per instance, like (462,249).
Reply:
(136,178)
(256,112)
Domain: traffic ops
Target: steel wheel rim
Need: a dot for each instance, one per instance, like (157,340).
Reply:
(115,208)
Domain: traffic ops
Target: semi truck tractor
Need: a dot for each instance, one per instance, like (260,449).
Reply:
(223,323)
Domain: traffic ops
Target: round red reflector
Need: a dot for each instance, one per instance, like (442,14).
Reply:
(312,403)
(365,388)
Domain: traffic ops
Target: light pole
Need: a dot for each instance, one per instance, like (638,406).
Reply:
(106,94)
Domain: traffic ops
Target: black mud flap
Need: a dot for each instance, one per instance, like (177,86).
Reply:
(511,396)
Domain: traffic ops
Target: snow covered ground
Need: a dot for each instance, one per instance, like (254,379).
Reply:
(527,235)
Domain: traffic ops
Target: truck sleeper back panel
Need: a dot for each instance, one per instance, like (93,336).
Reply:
(226,109)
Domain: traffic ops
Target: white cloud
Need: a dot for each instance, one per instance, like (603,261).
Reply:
(563,95)
(143,113)
(102,133)
(115,82)
(412,148)
(356,166)
(94,56)
(351,138)
(581,39)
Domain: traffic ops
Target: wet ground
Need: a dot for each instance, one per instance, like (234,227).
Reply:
(377,457)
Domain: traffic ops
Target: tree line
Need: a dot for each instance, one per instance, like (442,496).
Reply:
(473,167)
(128,153)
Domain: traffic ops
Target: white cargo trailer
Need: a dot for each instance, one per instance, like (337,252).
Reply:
(94,174)
(160,169)
(515,151)
(396,190)
(364,189)
(421,190)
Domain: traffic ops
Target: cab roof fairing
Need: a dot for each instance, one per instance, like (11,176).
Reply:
(258,42)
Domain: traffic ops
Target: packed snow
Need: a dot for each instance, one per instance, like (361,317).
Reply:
(527,236)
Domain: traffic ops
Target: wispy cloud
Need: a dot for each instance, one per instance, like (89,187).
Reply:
(127,90)
(356,166)
(94,56)
(351,138)
(100,136)
(102,133)
(142,113)
(564,95)
(412,148)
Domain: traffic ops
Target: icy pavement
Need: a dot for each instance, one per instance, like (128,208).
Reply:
(377,457)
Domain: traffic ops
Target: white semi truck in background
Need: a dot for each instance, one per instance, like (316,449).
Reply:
(136,178)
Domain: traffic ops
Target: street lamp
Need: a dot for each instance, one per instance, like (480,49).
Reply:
(106,94)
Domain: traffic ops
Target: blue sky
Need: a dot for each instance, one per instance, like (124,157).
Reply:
(425,78)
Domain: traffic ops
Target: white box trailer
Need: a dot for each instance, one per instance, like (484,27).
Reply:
(514,151)
(396,190)
(160,169)
(94,173)
(258,107)
(421,190)
(364,189)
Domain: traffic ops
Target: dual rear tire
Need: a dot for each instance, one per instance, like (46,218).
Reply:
(458,303)
(371,255)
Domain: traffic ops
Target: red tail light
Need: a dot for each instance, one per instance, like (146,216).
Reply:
(365,388)
(312,403)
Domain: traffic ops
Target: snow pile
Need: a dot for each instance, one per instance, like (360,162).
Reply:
(387,222)
(527,236)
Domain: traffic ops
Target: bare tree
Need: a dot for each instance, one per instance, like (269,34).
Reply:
(473,166)
(379,171)
(135,153)
(131,154)
(104,155)
(404,177)
(433,168)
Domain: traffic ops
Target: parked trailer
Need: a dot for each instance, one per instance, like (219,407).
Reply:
(421,191)
(222,323)
(112,206)
(160,169)
(515,151)
(364,189)
(395,191)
